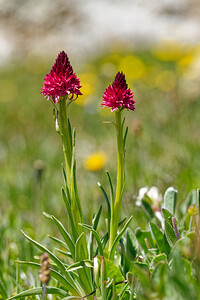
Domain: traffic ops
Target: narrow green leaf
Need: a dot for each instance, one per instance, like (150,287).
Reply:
(144,236)
(95,222)
(159,278)
(76,191)
(170,234)
(54,274)
(84,273)
(44,249)
(65,235)
(107,203)
(131,245)
(141,270)
(123,291)
(72,297)
(147,209)
(56,260)
(64,176)
(68,254)
(104,240)
(79,248)
(162,244)
(112,271)
(63,232)
(96,218)
(67,201)
(39,291)
(122,222)
(170,198)
(3,291)
(167,215)
(70,132)
(125,137)
(112,252)
(61,243)
(95,235)
(111,189)
(158,258)
(81,264)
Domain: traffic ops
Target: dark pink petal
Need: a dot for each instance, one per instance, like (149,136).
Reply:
(118,95)
(61,80)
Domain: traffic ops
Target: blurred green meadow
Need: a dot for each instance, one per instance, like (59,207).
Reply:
(162,146)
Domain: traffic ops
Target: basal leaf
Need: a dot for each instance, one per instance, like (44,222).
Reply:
(170,234)
(161,242)
(167,216)
(170,198)
(131,245)
(144,237)
(112,271)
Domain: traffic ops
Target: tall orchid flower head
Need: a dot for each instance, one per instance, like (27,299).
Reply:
(118,95)
(61,81)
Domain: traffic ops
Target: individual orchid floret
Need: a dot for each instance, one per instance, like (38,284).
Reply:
(61,81)
(118,95)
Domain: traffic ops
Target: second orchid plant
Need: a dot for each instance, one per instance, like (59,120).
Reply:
(88,268)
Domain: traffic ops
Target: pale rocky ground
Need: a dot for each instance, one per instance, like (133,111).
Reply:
(85,27)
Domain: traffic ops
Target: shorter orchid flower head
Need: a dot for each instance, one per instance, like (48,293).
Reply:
(118,95)
(61,81)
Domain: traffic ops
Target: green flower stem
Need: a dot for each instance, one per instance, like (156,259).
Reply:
(66,140)
(68,156)
(116,206)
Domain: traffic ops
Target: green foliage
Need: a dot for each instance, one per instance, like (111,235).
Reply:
(151,262)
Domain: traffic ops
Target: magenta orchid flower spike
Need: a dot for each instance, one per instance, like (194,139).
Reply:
(118,95)
(61,81)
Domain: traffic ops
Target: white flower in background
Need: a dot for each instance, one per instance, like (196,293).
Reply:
(155,197)
(142,192)
(153,193)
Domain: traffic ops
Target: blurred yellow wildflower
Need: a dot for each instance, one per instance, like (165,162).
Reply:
(132,66)
(88,82)
(95,161)
(193,71)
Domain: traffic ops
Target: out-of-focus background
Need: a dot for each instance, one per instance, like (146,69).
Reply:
(156,44)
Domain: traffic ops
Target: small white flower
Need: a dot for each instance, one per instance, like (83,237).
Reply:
(154,194)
